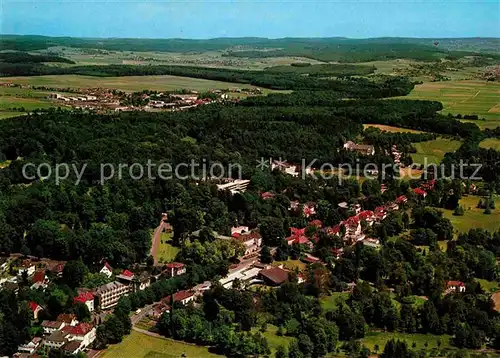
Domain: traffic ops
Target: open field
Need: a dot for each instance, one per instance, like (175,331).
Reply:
(391,129)
(464,97)
(434,150)
(127,83)
(166,252)
(474,217)
(139,345)
(490,143)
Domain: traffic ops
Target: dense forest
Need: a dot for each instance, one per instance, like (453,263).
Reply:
(24,57)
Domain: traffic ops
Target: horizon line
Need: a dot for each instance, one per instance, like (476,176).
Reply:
(259,37)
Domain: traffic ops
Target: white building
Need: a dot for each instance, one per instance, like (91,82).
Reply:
(106,270)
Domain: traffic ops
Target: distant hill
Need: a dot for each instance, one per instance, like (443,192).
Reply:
(327,49)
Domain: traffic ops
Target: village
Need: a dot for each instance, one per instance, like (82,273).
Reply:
(70,336)
(105,100)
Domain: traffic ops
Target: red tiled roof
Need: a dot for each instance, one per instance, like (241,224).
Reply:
(84,297)
(267,195)
(301,240)
(454,283)
(80,329)
(352,221)
(335,229)
(179,296)
(127,273)
(39,276)
(33,305)
(311,259)
(401,199)
(172,265)
(365,214)
(275,274)
(297,232)
(235,234)
(108,266)
(419,191)
(316,223)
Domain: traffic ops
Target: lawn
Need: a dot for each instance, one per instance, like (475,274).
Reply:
(272,338)
(490,143)
(126,83)
(391,129)
(333,300)
(490,286)
(166,252)
(291,264)
(433,151)
(139,345)
(474,217)
(464,97)
(380,338)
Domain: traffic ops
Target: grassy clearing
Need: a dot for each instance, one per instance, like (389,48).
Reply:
(434,150)
(273,339)
(492,143)
(333,300)
(391,129)
(291,264)
(166,252)
(474,217)
(127,83)
(139,345)
(380,338)
(490,286)
(464,97)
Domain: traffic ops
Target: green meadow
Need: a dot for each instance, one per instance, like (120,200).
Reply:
(474,217)
(492,143)
(434,150)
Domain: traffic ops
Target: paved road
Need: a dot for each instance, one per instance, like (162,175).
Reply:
(156,241)
(135,318)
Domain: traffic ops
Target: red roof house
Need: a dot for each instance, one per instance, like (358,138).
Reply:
(420,192)
(401,199)
(84,297)
(267,195)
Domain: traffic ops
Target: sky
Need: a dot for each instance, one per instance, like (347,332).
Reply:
(239,18)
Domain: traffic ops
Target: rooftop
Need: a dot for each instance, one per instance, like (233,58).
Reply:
(275,274)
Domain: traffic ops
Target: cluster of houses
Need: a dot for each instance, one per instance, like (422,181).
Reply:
(105,99)
(350,229)
(35,271)
(424,188)
(256,273)
(72,98)
(65,334)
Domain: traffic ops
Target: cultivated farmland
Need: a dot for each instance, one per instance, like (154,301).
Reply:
(464,97)
(128,83)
